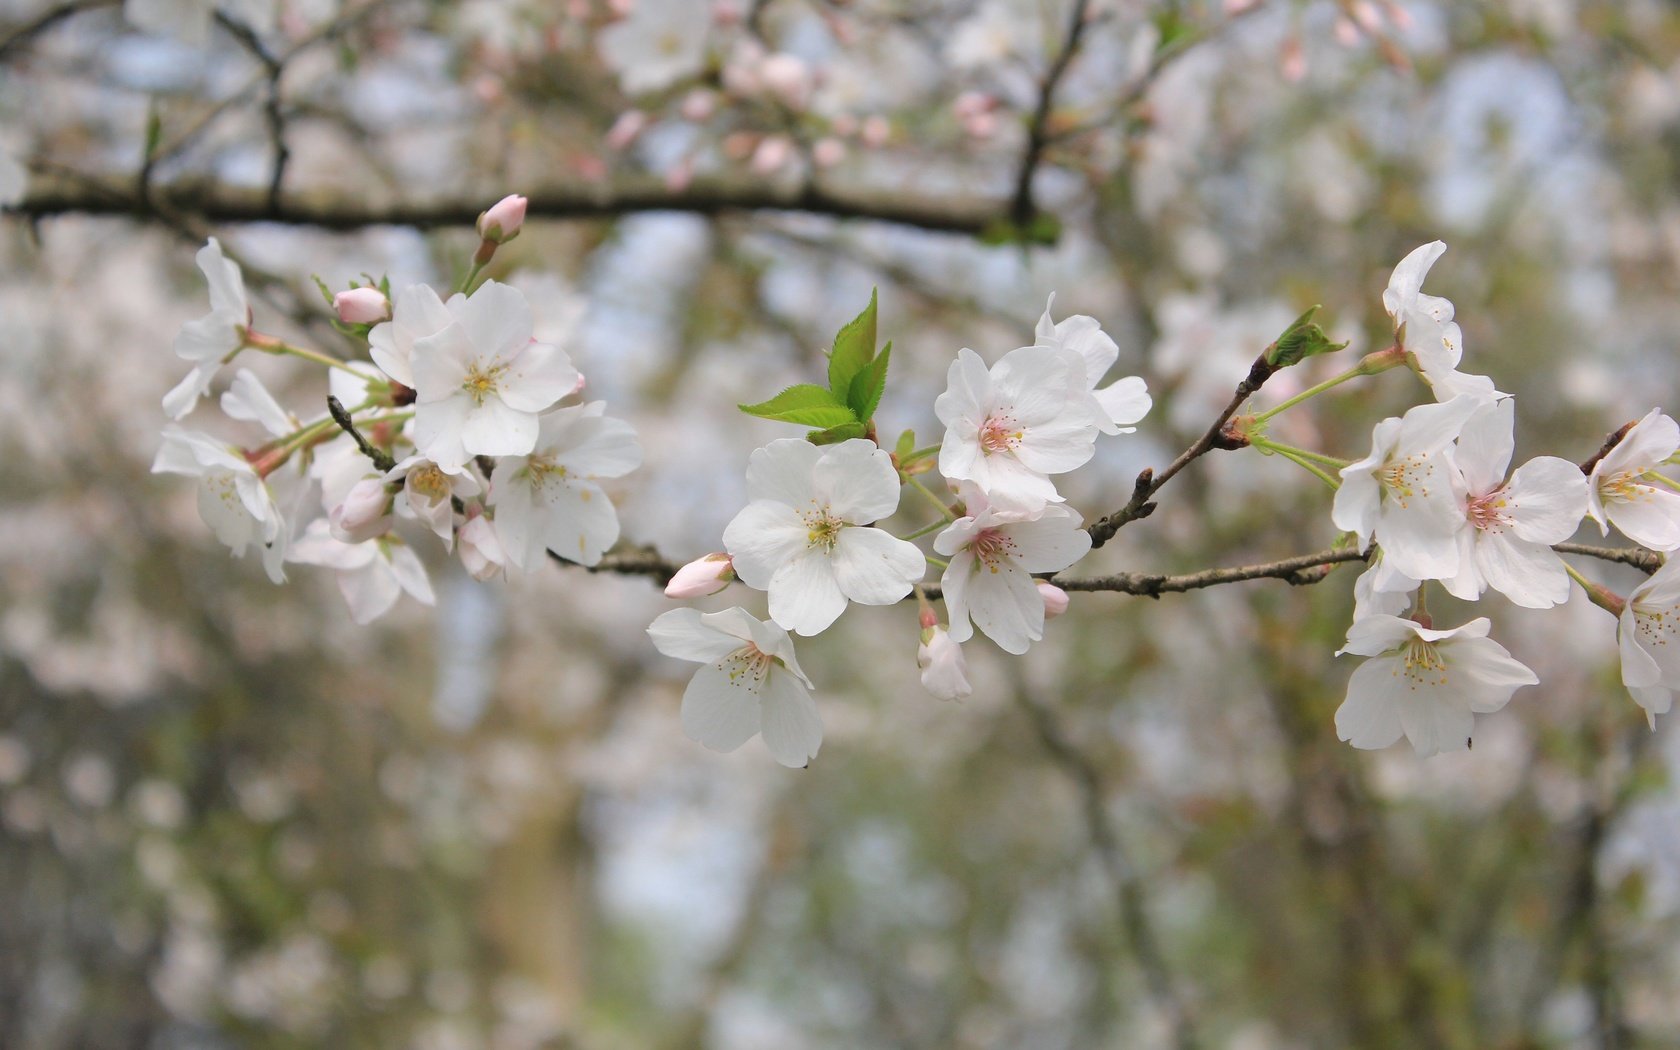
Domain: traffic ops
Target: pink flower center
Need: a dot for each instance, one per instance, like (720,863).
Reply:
(1490,512)
(991,548)
(1000,433)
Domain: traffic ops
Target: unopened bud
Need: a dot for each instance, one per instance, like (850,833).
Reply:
(1055,599)
(944,671)
(788,78)
(362,306)
(501,223)
(481,548)
(702,576)
(364,514)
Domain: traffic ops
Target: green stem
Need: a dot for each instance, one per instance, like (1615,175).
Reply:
(923,531)
(935,500)
(1597,593)
(1370,364)
(472,275)
(270,345)
(921,453)
(1662,479)
(1310,468)
(941,562)
(1302,453)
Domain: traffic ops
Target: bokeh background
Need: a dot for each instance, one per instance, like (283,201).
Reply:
(231,818)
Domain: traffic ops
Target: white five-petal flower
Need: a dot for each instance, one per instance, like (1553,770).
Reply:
(1619,492)
(549,500)
(802,536)
(1425,683)
(994,553)
(1009,427)
(1407,493)
(751,683)
(428,494)
(416,314)
(1124,401)
(213,338)
(1648,635)
(1514,523)
(1424,325)
(232,499)
(371,574)
(660,43)
(481,381)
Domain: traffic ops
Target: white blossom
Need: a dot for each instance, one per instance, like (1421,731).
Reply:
(803,538)
(416,314)
(479,547)
(993,555)
(1425,683)
(232,499)
(1648,635)
(549,500)
(371,574)
(1407,493)
(428,494)
(480,381)
(944,671)
(1425,328)
(660,43)
(1124,401)
(751,683)
(1514,523)
(1619,491)
(1009,427)
(210,340)
(248,400)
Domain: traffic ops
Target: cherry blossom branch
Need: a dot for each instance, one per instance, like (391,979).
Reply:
(382,460)
(275,67)
(1610,442)
(1638,557)
(46,20)
(1022,209)
(217,203)
(1215,437)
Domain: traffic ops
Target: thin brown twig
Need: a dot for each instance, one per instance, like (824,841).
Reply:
(1022,209)
(46,20)
(382,460)
(1615,438)
(1638,557)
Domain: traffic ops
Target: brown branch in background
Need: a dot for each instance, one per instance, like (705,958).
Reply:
(1610,442)
(1021,208)
(275,68)
(1149,482)
(1638,557)
(46,20)
(222,204)
(382,460)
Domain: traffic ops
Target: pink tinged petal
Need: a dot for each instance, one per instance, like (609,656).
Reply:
(1530,574)
(856,481)
(1485,446)
(1009,482)
(1653,439)
(1651,518)
(1355,505)
(805,597)
(437,432)
(1004,603)
(1125,401)
(957,535)
(1369,717)
(441,363)
(762,537)
(1546,499)
(1051,544)
(1406,281)
(873,567)
(498,320)
(791,726)
(684,635)
(497,429)
(410,574)
(719,712)
(782,471)
(537,377)
(370,592)
(1639,667)
(1655,700)
(1437,718)
(1486,672)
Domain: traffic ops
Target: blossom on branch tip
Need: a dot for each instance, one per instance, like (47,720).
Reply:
(1124,401)
(1055,599)
(1619,492)
(1009,427)
(212,339)
(372,574)
(364,515)
(701,577)
(1423,683)
(234,501)
(1424,327)
(502,221)
(1648,636)
(549,499)
(804,535)
(481,381)
(751,683)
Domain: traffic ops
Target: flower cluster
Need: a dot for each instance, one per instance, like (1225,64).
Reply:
(460,422)
(1435,501)
(810,537)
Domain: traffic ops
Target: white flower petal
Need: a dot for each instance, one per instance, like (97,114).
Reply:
(762,537)
(718,711)
(805,598)
(873,567)
(792,728)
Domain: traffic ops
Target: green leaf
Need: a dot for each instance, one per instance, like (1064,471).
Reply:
(906,445)
(806,404)
(868,386)
(854,348)
(834,435)
(326,293)
(1301,340)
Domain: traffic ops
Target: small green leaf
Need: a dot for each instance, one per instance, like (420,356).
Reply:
(868,386)
(906,445)
(854,347)
(834,435)
(806,404)
(1301,340)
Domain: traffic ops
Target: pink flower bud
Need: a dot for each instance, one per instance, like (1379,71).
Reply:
(625,129)
(1239,7)
(701,577)
(698,105)
(771,155)
(364,514)
(876,131)
(501,223)
(362,306)
(981,125)
(1346,33)
(1055,599)
(1292,60)
(827,152)
(788,78)
(944,671)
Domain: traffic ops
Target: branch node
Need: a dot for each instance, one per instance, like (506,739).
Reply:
(382,460)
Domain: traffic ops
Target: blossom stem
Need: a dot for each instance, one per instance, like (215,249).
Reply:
(925,529)
(270,345)
(941,562)
(1301,453)
(1369,365)
(472,275)
(1662,479)
(1597,593)
(1307,465)
(933,499)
